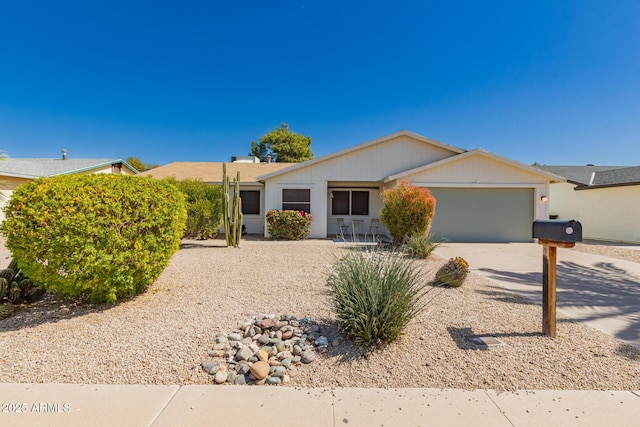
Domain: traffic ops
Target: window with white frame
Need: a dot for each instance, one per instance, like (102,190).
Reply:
(297,199)
(350,202)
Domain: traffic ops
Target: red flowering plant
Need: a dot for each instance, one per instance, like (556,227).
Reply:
(408,211)
(288,225)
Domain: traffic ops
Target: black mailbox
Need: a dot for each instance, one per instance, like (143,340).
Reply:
(557,230)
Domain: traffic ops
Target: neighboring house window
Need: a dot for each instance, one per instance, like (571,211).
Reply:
(350,203)
(297,199)
(250,202)
(116,168)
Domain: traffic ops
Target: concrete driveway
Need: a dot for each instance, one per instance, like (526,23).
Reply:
(600,291)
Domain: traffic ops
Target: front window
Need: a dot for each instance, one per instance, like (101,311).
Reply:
(296,199)
(350,202)
(250,202)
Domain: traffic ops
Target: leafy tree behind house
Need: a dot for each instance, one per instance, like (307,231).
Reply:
(283,145)
(139,165)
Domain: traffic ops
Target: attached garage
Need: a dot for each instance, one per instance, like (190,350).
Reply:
(483,214)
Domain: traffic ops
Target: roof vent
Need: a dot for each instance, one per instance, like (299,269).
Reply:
(64,154)
(244,159)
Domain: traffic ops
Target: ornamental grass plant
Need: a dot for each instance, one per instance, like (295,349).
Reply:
(375,295)
(420,245)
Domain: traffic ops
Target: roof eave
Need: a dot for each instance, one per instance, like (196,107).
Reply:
(595,187)
(552,177)
(88,168)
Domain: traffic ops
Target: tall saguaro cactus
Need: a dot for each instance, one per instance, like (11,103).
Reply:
(233,223)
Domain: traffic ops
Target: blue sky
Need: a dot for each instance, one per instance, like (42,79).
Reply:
(554,82)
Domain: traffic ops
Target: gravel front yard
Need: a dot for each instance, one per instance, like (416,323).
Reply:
(162,336)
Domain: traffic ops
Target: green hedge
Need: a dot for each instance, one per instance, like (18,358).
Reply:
(288,225)
(100,236)
(204,208)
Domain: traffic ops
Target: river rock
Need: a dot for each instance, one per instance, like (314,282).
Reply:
(235,337)
(308,356)
(278,371)
(287,332)
(273,380)
(210,366)
(267,323)
(221,377)
(260,370)
(244,353)
(297,350)
(322,342)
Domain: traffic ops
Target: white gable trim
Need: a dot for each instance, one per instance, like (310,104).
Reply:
(359,147)
(477,152)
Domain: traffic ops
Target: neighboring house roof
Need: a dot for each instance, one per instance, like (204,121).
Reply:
(589,177)
(381,140)
(477,152)
(212,171)
(36,168)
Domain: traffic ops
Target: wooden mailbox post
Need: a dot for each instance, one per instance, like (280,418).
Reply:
(553,234)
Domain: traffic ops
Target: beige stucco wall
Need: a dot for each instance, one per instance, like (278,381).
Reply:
(605,214)
(371,163)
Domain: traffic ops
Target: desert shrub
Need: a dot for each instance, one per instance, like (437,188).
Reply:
(375,295)
(420,245)
(452,274)
(100,236)
(408,210)
(288,225)
(204,208)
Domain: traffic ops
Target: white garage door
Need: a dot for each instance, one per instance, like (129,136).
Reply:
(483,214)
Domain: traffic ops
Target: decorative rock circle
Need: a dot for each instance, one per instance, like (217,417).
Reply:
(267,349)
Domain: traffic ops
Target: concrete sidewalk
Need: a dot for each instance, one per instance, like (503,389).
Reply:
(209,405)
(602,292)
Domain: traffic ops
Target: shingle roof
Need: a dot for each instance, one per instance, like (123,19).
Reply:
(587,177)
(620,176)
(212,171)
(36,168)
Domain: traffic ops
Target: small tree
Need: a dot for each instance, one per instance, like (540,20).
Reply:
(408,210)
(139,165)
(283,145)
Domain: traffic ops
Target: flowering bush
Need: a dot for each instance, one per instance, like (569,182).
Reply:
(408,210)
(288,225)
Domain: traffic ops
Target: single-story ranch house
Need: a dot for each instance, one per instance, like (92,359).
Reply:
(14,172)
(481,197)
(605,199)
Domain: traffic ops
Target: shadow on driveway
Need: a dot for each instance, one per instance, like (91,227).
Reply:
(601,292)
